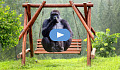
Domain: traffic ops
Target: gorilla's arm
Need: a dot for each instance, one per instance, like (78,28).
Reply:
(67,26)
(47,27)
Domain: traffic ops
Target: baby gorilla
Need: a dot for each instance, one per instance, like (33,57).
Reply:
(55,22)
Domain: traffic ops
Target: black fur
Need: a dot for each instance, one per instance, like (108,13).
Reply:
(48,25)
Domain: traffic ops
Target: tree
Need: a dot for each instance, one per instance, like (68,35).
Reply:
(10,26)
(116,10)
(101,16)
(109,17)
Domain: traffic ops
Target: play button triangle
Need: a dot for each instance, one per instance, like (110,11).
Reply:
(59,34)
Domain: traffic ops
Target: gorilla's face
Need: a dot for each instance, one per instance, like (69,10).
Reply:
(54,15)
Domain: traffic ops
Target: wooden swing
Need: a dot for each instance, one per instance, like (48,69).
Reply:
(75,46)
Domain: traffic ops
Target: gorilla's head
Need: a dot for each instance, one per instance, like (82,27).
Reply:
(55,14)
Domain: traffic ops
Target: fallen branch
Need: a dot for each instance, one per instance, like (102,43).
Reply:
(20,54)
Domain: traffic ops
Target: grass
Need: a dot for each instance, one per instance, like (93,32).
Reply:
(99,63)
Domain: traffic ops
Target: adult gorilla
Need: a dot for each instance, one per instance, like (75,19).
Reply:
(55,22)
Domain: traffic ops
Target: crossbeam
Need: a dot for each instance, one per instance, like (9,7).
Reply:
(58,5)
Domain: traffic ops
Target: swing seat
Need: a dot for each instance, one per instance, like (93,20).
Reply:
(74,48)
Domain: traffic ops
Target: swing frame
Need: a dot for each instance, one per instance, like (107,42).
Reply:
(28,22)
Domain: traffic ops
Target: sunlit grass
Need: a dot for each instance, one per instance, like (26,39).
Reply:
(99,63)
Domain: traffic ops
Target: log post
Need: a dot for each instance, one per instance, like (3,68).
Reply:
(82,20)
(85,11)
(24,38)
(30,31)
(88,38)
(31,22)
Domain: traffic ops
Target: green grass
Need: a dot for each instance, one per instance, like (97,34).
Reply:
(99,63)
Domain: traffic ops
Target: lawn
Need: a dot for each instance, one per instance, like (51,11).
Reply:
(99,63)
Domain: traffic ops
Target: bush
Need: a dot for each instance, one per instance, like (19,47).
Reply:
(104,43)
(10,26)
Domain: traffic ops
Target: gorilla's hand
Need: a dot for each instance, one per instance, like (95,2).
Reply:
(54,21)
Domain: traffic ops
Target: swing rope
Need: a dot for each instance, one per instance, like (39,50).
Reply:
(76,27)
(41,24)
(76,24)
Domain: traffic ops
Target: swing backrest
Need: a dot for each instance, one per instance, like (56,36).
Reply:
(74,48)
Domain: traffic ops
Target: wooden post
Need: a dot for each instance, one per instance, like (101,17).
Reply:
(24,38)
(88,21)
(30,31)
(85,11)
(88,38)
(82,20)
(31,22)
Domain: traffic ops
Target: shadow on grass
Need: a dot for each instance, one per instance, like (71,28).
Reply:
(52,65)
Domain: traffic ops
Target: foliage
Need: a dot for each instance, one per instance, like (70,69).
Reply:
(104,43)
(10,26)
(111,63)
(99,21)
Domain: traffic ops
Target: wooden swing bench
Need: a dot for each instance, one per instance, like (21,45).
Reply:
(74,48)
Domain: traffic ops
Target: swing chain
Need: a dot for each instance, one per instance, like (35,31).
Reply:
(41,24)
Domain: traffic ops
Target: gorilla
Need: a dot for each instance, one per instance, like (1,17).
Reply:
(55,22)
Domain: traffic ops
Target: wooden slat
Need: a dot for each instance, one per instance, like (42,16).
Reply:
(39,40)
(71,44)
(73,40)
(74,48)
(65,52)
(76,40)
(40,46)
(69,49)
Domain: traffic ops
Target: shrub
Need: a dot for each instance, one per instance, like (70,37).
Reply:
(10,26)
(104,43)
